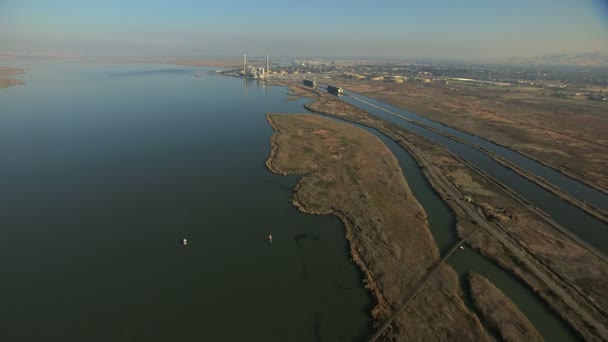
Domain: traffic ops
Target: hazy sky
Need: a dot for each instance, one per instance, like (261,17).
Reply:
(477,29)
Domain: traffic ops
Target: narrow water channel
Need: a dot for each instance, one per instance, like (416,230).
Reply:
(588,228)
(443,227)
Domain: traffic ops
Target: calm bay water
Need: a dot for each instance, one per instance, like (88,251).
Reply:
(105,167)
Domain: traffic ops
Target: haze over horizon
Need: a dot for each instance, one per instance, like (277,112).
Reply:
(474,29)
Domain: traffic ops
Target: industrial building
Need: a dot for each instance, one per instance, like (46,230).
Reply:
(310,83)
(335,90)
(256,72)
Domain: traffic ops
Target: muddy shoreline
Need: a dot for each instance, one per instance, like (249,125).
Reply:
(381,306)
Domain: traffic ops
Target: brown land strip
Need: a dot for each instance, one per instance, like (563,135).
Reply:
(353,175)
(5,77)
(499,312)
(568,276)
(569,135)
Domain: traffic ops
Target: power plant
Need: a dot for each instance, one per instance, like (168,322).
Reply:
(256,72)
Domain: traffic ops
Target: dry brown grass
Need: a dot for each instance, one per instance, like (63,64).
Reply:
(499,313)
(352,174)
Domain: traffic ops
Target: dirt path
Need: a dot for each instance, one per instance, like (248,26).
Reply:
(417,289)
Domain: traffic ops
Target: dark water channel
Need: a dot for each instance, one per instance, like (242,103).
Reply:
(580,223)
(571,186)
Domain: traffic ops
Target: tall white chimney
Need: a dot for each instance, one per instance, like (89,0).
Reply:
(267,64)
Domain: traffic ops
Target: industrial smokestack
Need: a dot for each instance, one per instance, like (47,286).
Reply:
(267,64)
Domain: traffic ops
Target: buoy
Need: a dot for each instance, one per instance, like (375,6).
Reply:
(270,238)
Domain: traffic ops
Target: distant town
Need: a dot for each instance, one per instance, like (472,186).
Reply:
(588,82)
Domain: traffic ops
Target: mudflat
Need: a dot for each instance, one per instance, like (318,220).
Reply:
(350,173)
(6,74)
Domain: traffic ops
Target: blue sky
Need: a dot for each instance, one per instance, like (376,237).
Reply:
(464,29)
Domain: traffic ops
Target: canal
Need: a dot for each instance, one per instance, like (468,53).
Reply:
(586,227)
(571,186)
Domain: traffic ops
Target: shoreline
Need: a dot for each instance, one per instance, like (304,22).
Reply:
(369,283)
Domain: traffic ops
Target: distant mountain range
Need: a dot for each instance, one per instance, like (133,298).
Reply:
(581,59)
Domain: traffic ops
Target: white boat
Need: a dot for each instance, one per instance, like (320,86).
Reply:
(184,242)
